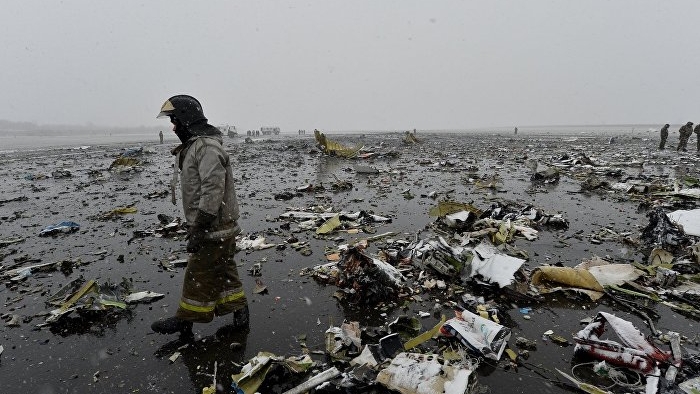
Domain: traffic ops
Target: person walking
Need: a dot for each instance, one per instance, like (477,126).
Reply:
(211,285)
(685,132)
(160,135)
(697,135)
(664,136)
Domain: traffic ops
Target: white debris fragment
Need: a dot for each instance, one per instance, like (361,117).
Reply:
(615,274)
(144,296)
(174,357)
(413,373)
(480,335)
(493,265)
(689,219)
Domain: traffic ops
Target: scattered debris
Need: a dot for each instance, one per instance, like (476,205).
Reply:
(62,227)
(480,335)
(414,373)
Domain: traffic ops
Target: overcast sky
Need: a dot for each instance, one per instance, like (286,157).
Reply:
(353,65)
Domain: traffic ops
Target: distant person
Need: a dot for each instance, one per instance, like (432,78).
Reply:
(516,131)
(697,135)
(664,136)
(211,286)
(684,134)
(160,135)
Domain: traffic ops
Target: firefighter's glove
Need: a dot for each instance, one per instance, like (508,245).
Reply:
(198,231)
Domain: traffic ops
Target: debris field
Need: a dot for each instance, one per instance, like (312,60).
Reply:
(380,262)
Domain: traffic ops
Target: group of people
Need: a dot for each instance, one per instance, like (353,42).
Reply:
(686,131)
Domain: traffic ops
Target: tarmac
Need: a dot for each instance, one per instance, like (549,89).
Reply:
(115,351)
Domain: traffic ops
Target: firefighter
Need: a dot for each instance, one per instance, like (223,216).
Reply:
(664,136)
(211,285)
(685,132)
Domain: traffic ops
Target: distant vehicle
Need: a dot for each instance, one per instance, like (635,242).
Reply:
(269,130)
(228,130)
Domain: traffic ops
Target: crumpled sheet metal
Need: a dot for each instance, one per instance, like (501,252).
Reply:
(341,338)
(459,219)
(480,335)
(504,230)
(610,274)
(659,256)
(124,163)
(364,279)
(492,265)
(442,257)
(662,232)
(449,207)
(688,219)
(80,294)
(410,138)
(329,225)
(615,274)
(414,373)
(546,175)
(571,277)
(253,374)
(633,351)
(334,148)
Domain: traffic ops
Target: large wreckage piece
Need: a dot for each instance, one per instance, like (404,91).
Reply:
(410,138)
(502,231)
(440,256)
(88,295)
(334,148)
(253,374)
(545,174)
(414,373)
(664,233)
(125,164)
(590,277)
(363,279)
(82,295)
(548,279)
(689,220)
(483,262)
(489,264)
(343,339)
(633,351)
(479,335)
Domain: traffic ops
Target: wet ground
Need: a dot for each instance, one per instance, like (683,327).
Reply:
(118,353)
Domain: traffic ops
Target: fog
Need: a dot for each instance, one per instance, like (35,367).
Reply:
(359,65)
